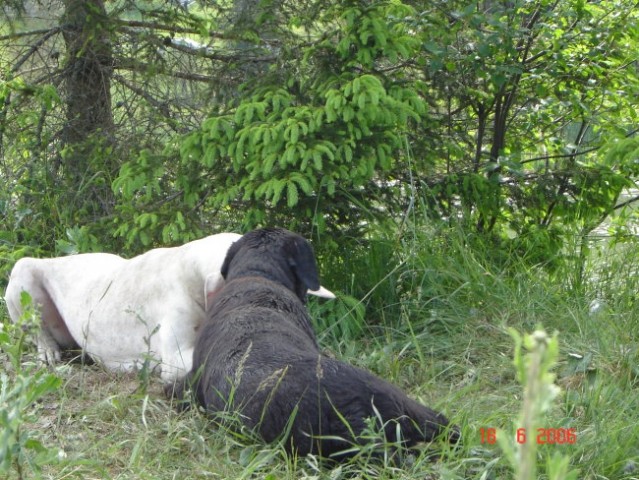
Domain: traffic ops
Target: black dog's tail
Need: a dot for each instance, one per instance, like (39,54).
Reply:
(425,425)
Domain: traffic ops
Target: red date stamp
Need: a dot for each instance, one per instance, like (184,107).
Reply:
(544,436)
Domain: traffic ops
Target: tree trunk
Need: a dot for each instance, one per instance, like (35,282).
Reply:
(87,136)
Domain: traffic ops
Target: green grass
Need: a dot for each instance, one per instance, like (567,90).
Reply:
(438,327)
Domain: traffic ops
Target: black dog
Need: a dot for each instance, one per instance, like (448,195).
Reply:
(257,354)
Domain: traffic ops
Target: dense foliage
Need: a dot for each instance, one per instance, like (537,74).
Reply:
(516,119)
(509,118)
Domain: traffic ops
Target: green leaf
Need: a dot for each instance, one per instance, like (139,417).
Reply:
(277,189)
(292,197)
(294,134)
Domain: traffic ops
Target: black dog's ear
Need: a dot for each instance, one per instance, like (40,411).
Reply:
(230,254)
(301,259)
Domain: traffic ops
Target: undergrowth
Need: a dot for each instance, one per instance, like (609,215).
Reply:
(433,313)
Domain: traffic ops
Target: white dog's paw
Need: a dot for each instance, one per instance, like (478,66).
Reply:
(48,349)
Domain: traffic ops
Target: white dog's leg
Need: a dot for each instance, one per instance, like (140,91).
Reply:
(54,335)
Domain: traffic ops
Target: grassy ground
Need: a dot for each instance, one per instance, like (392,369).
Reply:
(437,325)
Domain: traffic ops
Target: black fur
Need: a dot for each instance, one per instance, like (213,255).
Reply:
(257,354)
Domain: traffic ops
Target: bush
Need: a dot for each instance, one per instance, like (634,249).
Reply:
(22,385)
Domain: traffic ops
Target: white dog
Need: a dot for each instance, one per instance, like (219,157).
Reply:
(123,312)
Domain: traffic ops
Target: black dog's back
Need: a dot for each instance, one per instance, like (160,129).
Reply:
(257,355)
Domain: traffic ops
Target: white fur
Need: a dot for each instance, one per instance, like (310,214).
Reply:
(123,312)
(120,311)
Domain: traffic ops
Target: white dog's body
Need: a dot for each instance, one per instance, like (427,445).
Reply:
(123,312)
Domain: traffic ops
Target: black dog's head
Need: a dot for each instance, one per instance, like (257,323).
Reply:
(277,254)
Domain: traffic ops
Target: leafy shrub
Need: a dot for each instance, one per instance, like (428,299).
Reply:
(312,151)
(22,384)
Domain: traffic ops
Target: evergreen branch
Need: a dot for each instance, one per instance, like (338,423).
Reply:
(35,47)
(30,33)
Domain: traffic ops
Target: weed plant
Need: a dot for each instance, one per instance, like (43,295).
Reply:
(22,383)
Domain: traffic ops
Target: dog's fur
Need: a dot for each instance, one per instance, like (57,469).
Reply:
(123,312)
(257,354)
